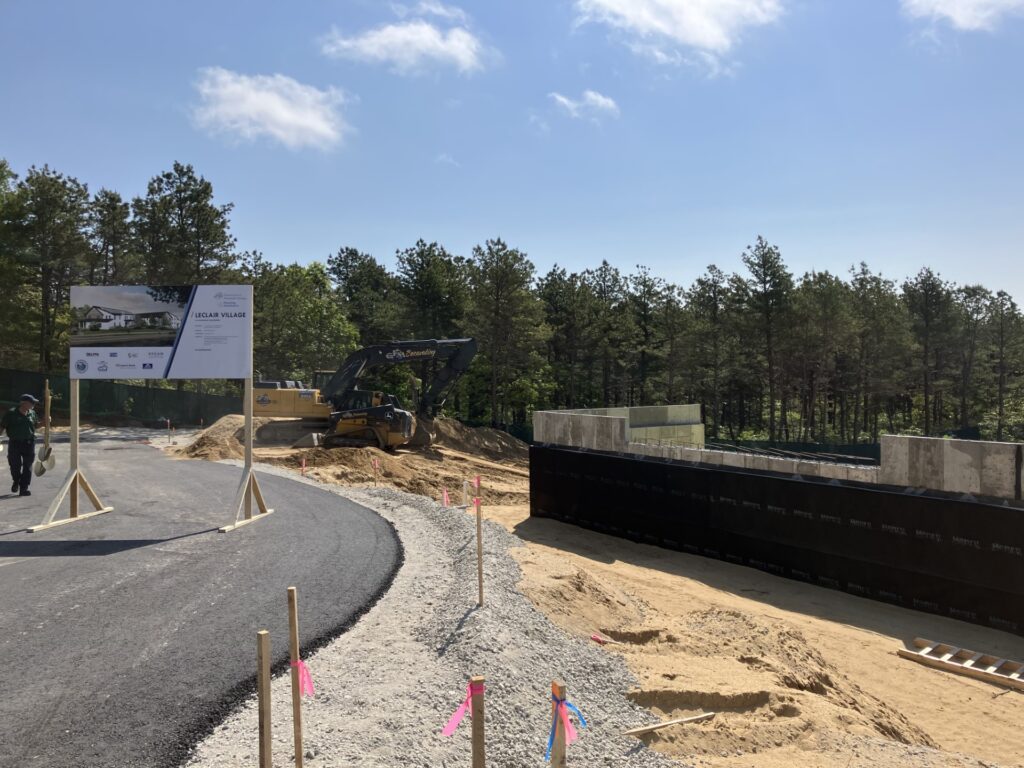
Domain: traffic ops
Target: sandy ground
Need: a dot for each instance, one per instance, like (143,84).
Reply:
(798,674)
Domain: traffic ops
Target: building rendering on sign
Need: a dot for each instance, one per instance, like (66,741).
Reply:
(156,320)
(107,318)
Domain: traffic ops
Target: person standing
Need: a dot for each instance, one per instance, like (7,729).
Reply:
(20,424)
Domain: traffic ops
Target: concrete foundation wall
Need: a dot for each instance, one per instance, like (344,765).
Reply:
(691,435)
(955,466)
(758,462)
(598,433)
(958,466)
(664,415)
(611,429)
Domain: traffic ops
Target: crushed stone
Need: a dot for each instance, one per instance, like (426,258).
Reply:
(385,688)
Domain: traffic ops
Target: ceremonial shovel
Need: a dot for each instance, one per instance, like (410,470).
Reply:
(46,458)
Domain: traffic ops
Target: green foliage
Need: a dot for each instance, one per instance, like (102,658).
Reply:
(769,356)
(506,321)
(299,323)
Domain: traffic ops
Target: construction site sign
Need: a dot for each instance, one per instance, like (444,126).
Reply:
(161,332)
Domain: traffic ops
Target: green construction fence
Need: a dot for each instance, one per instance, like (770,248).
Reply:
(115,400)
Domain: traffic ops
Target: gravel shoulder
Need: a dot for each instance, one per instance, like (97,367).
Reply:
(387,686)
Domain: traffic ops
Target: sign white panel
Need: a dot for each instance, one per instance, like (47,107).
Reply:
(161,332)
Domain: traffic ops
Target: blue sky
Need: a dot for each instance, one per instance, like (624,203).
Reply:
(661,132)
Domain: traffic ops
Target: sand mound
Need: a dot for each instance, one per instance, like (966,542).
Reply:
(461,454)
(584,602)
(221,440)
(424,471)
(481,441)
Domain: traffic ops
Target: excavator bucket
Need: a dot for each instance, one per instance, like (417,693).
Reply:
(424,435)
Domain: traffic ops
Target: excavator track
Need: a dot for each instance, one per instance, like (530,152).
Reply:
(348,442)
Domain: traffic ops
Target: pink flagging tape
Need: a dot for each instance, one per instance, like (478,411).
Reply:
(456,718)
(305,679)
(445,501)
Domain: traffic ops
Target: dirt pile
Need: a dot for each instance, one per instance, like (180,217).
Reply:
(480,441)
(788,693)
(424,472)
(221,440)
(459,455)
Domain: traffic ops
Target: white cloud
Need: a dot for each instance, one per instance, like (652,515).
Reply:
(274,106)
(713,26)
(964,14)
(410,46)
(445,159)
(432,8)
(592,104)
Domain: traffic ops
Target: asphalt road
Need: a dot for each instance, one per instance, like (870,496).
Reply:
(127,637)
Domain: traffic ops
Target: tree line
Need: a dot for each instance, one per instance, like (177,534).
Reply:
(769,355)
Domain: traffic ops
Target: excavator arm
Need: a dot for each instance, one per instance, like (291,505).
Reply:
(456,355)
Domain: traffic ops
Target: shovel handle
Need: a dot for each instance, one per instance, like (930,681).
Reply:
(46,415)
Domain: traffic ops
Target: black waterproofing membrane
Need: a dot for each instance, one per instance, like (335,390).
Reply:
(952,556)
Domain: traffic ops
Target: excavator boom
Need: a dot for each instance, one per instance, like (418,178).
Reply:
(455,354)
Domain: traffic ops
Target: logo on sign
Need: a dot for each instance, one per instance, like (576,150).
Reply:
(81,366)
(147,365)
(102,367)
(264,400)
(113,354)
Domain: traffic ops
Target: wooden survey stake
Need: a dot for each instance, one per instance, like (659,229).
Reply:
(479,555)
(658,726)
(476,711)
(249,488)
(558,746)
(263,693)
(74,481)
(293,647)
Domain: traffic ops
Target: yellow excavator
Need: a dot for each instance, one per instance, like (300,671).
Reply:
(350,416)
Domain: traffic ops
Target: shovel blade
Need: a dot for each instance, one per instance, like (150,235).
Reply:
(50,460)
(38,468)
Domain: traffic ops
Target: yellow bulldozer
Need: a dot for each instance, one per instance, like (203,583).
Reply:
(338,413)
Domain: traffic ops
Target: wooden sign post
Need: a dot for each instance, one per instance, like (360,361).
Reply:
(263,693)
(75,479)
(249,488)
(479,554)
(476,712)
(293,647)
